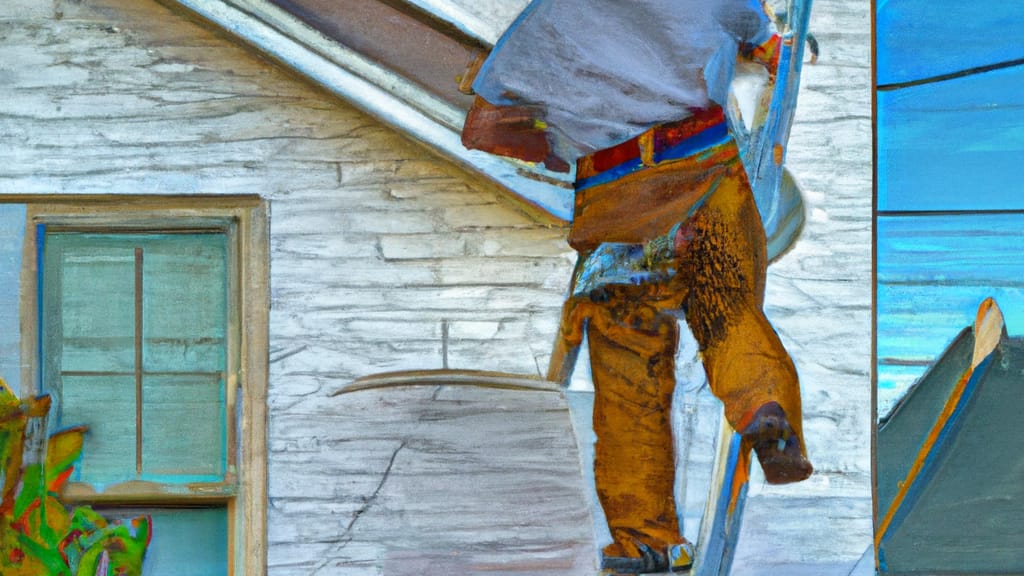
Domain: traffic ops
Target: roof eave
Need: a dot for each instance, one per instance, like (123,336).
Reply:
(385,95)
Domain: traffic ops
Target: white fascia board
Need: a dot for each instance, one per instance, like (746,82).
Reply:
(379,92)
(471,22)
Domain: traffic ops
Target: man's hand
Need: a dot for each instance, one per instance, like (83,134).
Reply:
(767,54)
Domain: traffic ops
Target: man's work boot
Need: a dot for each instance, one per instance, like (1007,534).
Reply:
(677,558)
(777,446)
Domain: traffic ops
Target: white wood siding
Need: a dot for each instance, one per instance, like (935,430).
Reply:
(386,257)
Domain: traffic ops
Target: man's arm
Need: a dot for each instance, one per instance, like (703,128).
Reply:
(513,131)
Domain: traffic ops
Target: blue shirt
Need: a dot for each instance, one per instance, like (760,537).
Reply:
(602,71)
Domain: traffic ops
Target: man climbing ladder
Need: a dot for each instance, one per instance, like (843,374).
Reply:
(665,224)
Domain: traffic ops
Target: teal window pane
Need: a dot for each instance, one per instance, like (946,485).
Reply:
(185,303)
(106,404)
(94,302)
(155,405)
(185,540)
(183,428)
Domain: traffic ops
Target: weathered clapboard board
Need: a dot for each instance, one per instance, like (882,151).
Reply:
(480,472)
(475,473)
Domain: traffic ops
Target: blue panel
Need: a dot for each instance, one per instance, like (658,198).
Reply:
(185,541)
(952,249)
(953,145)
(921,38)
(933,272)
(12,234)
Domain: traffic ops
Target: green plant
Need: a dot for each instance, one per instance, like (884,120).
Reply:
(39,535)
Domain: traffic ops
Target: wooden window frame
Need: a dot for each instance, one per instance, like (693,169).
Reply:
(244,220)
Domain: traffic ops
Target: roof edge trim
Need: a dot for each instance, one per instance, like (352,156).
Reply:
(379,92)
(466,22)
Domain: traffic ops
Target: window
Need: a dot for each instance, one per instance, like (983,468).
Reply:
(152,332)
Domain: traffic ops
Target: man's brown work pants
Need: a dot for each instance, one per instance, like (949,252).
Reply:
(720,265)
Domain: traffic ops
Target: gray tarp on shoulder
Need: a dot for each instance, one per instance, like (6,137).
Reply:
(604,70)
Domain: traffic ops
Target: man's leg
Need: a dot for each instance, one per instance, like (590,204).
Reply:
(721,252)
(632,353)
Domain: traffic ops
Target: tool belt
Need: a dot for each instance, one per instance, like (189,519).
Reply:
(641,188)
